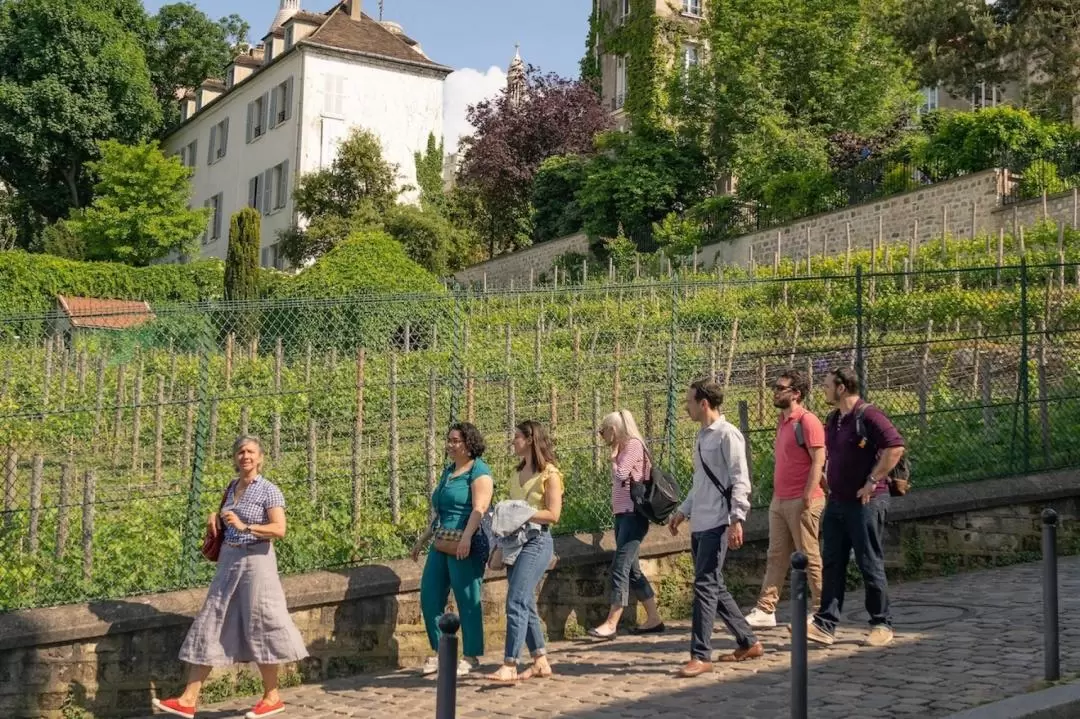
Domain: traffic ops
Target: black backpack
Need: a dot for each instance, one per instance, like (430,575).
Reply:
(657,497)
(899,478)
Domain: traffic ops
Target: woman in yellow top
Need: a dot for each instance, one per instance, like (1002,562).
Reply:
(539,483)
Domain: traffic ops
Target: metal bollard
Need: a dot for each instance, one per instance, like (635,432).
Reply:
(446,692)
(1051,654)
(799,607)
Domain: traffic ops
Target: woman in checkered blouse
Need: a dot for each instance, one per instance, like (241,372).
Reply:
(244,618)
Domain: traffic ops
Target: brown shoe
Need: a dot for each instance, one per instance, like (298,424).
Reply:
(695,668)
(741,655)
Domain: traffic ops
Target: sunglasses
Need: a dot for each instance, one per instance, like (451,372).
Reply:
(781,387)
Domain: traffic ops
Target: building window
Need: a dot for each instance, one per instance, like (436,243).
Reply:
(281,103)
(289,35)
(624,10)
(188,157)
(691,56)
(279,182)
(219,141)
(334,95)
(255,191)
(930,100)
(271,256)
(620,82)
(257,120)
(692,7)
(216,214)
(985,95)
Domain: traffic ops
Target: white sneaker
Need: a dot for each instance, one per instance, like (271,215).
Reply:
(431,666)
(758,619)
(467,665)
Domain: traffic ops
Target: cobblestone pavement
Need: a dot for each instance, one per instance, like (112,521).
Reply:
(961,641)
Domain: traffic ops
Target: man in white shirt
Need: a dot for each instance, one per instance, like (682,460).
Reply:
(716,507)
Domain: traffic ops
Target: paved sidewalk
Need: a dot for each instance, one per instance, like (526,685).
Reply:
(961,641)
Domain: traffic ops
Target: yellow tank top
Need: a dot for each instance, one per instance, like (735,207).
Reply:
(532,491)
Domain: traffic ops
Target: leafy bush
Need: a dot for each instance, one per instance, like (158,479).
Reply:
(29,283)
(365,262)
(428,238)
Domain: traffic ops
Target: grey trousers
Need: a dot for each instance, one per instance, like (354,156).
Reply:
(711,595)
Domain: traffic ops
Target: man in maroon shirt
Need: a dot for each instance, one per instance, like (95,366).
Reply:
(854,517)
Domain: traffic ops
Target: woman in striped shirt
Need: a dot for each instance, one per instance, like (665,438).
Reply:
(629,463)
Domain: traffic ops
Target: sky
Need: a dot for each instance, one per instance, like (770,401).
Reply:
(475,37)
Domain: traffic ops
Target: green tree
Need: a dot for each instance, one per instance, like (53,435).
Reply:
(789,71)
(556,212)
(429,174)
(956,43)
(71,74)
(358,176)
(141,206)
(429,239)
(242,258)
(637,179)
(185,48)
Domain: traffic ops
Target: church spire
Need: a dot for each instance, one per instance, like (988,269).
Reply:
(515,79)
(287,10)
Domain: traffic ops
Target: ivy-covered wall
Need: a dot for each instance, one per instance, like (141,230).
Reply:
(650,41)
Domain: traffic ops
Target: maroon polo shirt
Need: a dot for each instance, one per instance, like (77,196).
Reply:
(849,464)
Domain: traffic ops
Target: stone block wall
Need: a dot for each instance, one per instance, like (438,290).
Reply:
(521,266)
(108,658)
(964,207)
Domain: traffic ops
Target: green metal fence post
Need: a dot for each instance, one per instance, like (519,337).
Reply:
(860,337)
(457,360)
(1024,379)
(672,379)
(193,529)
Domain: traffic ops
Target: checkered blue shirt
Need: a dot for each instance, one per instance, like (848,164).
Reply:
(254,508)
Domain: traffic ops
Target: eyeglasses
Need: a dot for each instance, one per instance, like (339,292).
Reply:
(781,387)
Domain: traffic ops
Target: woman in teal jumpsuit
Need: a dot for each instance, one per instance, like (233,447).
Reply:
(459,502)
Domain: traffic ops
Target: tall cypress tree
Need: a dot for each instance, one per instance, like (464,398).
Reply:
(242,260)
(242,272)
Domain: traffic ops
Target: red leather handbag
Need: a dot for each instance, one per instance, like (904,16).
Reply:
(211,545)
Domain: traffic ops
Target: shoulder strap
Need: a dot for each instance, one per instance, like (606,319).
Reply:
(860,424)
(800,438)
(726,493)
(225,496)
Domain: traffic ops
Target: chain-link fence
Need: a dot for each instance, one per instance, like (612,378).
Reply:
(115,441)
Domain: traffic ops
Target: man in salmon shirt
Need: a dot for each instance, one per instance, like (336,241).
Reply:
(798,498)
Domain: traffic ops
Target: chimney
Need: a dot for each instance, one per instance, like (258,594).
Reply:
(356,9)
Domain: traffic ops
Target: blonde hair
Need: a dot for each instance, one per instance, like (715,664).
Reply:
(622,425)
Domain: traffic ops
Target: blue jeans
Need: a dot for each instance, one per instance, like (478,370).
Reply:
(522,619)
(630,529)
(847,525)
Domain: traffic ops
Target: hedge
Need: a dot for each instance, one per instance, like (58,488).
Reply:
(367,262)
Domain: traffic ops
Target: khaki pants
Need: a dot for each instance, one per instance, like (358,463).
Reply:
(791,529)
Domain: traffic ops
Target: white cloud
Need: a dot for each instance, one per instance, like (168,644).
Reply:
(463,88)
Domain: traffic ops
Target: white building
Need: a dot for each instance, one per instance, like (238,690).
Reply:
(284,106)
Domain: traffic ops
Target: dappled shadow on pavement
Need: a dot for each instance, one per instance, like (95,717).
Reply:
(961,641)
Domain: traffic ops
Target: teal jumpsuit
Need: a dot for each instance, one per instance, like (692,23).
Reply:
(452,501)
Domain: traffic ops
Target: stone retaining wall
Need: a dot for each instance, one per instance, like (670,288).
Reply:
(110,657)
(965,207)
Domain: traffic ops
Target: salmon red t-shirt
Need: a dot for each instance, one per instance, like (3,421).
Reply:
(792,468)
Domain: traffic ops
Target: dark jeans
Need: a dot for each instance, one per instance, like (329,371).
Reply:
(711,595)
(626,574)
(523,576)
(846,526)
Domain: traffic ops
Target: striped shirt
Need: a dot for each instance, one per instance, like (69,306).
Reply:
(629,465)
(254,508)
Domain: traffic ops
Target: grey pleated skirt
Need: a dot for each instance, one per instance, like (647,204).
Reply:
(244,618)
